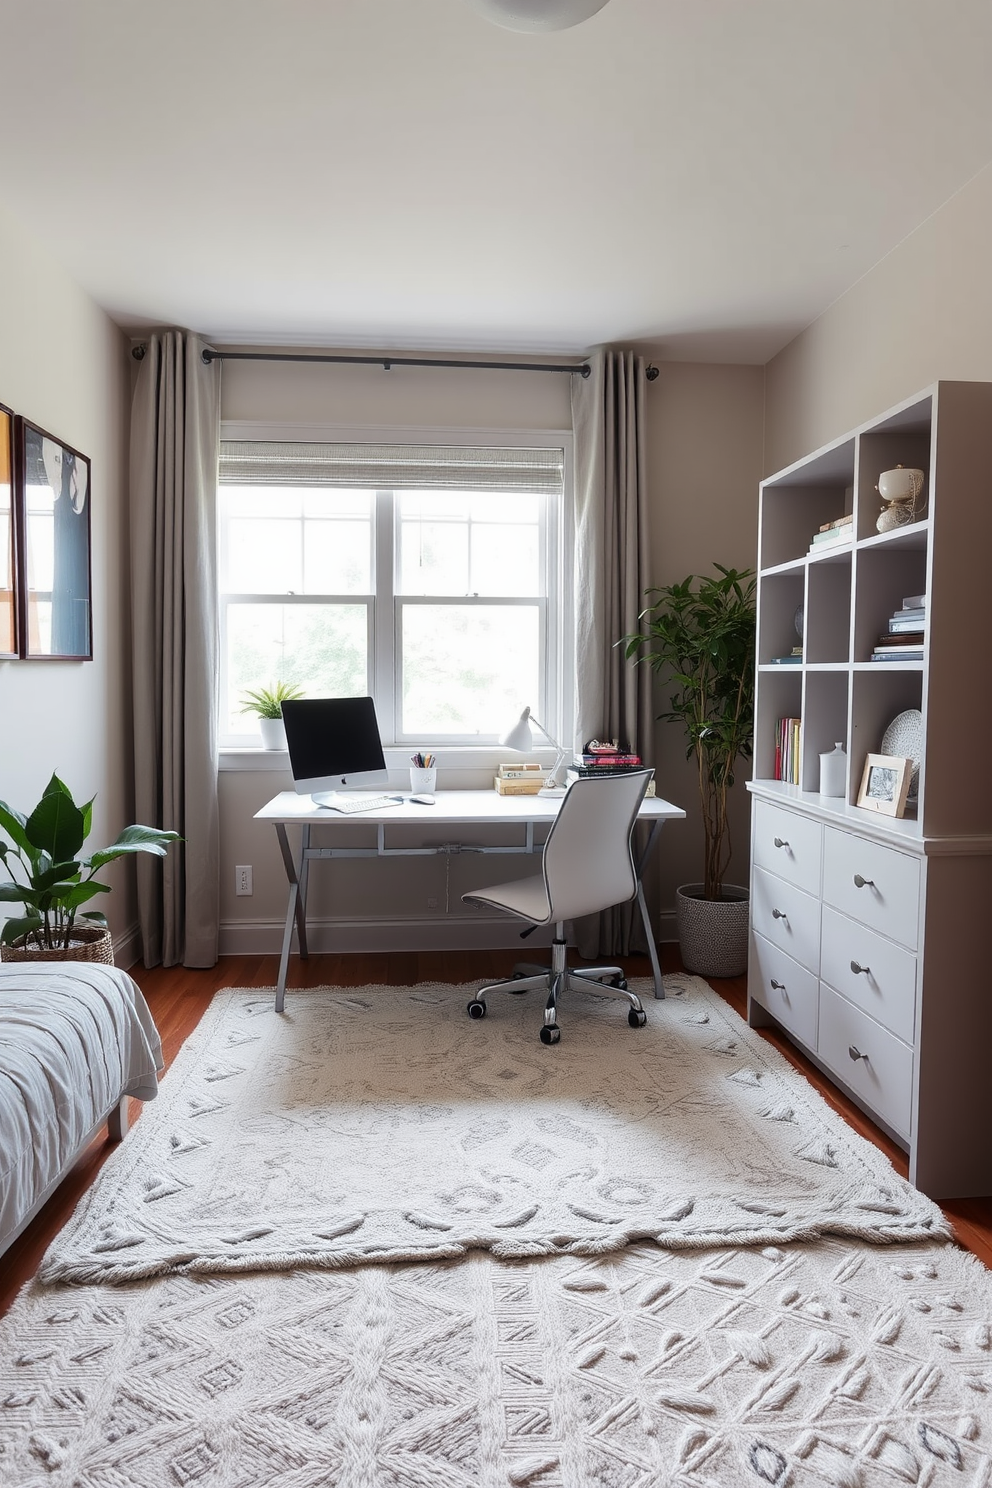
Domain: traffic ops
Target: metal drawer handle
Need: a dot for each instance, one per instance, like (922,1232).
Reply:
(860,970)
(779,914)
(857,1054)
(780,843)
(863,883)
(779,986)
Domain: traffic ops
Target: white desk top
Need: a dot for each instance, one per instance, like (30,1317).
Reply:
(450,806)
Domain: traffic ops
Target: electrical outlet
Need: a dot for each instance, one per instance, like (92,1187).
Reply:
(242,879)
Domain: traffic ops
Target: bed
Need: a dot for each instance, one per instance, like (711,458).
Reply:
(76,1040)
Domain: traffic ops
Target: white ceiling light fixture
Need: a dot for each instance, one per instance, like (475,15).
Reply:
(537,15)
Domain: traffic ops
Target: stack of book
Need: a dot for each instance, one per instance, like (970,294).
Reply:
(794,658)
(605,760)
(524,778)
(832,534)
(903,641)
(787,746)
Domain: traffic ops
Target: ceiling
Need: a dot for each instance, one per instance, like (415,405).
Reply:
(704,176)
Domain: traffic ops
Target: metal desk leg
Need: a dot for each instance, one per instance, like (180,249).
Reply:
(659,985)
(295,907)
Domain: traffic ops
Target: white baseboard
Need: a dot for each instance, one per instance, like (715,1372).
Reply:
(127,947)
(330,936)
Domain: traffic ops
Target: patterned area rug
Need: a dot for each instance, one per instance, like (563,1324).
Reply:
(823,1365)
(382,1124)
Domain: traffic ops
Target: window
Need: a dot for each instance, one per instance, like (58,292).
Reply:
(427,576)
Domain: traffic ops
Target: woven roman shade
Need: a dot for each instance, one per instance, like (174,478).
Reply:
(391,467)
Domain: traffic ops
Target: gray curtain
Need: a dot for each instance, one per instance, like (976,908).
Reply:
(613,697)
(175,432)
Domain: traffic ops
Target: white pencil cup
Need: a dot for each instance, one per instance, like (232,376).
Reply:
(423,782)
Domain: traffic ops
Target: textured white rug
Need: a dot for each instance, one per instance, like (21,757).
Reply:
(382,1124)
(815,1364)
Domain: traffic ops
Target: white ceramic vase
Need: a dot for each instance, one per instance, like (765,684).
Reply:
(273,733)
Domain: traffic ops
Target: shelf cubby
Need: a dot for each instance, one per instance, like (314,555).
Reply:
(782,598)
(825,722)
(886,575)
(828,611)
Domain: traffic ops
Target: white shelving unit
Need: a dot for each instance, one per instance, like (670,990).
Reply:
(871,937)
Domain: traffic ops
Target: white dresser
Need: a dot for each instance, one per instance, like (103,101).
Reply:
(871,941)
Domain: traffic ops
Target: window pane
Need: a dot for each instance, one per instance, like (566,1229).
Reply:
(321,648)
(468,670)
(469,543)
(282,540)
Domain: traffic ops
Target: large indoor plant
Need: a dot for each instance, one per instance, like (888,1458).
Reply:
(52,880)
(699,634)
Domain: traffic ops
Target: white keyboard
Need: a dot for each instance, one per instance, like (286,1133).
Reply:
(350,804)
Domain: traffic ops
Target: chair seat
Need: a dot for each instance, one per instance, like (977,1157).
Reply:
(527,897)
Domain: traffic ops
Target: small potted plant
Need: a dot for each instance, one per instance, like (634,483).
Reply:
(52,880)
(702,639)
(266,703)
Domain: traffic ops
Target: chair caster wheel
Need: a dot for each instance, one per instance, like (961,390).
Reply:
(476,1008)
(550,1033)
(637,1017)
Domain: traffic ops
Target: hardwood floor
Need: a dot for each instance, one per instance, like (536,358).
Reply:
(178,999)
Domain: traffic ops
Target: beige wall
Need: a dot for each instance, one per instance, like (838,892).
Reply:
(923,313)
(63,366)
(704,462)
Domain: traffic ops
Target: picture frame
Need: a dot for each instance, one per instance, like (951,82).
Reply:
(53,560)
(885,784)
(9,599)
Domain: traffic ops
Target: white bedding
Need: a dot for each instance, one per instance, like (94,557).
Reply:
(74,1039)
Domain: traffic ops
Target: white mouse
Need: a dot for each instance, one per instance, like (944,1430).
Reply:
(423,800)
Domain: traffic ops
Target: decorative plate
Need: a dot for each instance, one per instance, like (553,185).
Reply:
(904,738)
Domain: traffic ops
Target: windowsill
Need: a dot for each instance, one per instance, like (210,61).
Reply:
(458,758)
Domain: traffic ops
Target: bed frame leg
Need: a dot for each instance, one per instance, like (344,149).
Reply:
(117,1120)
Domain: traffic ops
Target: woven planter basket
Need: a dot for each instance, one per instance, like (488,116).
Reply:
(713,933)
(89,943)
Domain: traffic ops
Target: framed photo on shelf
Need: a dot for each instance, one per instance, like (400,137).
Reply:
(52,506)
(885,784)
(8,543)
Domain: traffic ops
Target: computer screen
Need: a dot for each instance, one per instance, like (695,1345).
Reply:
(333,743)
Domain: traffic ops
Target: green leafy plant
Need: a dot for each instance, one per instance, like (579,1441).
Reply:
(47,874)
(267,701)
(702,639)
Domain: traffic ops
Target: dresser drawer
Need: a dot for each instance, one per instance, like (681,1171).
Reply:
(885,985)
(869,1060)
(787,990)
(787,917)
(873,884)
(788,845)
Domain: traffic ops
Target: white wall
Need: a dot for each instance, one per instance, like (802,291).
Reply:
(923,313)
(704,462)
(63,366)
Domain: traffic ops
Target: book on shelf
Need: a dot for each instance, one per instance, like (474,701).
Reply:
(832,535)
(609,761)
(915,602)
(575,772)
(897,653)
(907,620)
(786,660)
(787,747)
(838,522)
(902,638)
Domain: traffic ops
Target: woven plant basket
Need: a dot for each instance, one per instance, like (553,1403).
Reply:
(89,943)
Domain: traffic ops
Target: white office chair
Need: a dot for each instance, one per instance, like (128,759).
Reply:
(587,865)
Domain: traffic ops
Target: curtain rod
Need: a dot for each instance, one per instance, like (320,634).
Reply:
(387,363)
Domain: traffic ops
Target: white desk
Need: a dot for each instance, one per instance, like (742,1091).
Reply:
(452,808)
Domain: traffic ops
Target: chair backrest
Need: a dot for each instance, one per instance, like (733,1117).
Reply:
(588,864)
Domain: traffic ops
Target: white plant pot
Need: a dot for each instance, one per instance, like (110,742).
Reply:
(713,933)
(273,733)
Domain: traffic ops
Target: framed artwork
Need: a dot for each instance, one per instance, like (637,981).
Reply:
(8,545)
(52,504)
(885,784)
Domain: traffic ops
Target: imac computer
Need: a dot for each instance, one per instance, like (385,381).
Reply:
(333,744)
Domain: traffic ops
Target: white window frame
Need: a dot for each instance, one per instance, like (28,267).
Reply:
(557,662)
